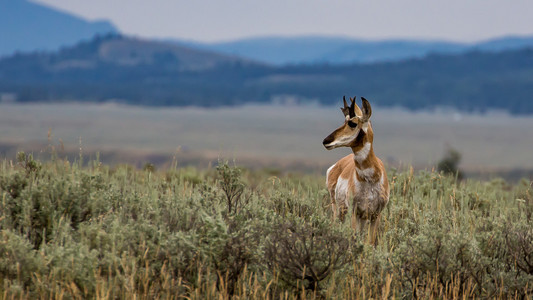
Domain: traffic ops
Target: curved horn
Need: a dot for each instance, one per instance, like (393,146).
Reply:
(344,100)
(346,109)
(352,107)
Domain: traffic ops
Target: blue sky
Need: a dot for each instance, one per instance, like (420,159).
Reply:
(222,20)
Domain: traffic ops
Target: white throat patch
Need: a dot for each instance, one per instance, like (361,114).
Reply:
(362,154)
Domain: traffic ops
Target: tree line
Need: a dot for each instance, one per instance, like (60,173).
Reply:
(475,81)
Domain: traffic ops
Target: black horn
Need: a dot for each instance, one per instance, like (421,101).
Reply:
(352,107)
(344,100)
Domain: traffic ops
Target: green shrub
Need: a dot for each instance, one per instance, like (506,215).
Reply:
(100,232)
(232,186)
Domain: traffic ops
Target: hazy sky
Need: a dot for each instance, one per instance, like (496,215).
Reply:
(220,20)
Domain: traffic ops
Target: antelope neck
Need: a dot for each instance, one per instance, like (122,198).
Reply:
(365,163)
(364,156)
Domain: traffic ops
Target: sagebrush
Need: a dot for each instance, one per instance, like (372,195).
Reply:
(117,232)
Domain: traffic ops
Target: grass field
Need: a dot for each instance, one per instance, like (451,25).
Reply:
(73,231)
(281,136)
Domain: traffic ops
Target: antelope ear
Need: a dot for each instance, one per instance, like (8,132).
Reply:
(356,109)
(367,110)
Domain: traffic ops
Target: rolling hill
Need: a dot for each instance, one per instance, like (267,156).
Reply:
(114,67)
(142,72)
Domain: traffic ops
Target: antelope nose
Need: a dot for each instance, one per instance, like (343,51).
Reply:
(327,140)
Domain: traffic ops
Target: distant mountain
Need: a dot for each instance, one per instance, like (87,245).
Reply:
(505,43)
(28,26)
(339,50)
(117,51)
(117,68)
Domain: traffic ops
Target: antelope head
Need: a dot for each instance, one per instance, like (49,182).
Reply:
(356,130)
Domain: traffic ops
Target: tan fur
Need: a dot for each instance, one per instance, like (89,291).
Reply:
(360,176)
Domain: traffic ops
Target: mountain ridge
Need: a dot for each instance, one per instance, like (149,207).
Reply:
(344,50)
(28,26)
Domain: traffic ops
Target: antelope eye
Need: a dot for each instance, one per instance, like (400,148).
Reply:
(352,124)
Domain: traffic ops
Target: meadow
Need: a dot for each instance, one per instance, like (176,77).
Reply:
(275,136)
(83,229)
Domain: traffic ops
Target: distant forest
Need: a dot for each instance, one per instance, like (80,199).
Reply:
(475,81)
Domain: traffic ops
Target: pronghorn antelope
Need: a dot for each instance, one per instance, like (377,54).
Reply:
(360,175)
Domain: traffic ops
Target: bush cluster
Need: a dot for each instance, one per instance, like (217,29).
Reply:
(117,232)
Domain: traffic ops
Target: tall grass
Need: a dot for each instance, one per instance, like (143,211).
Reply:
(73,232)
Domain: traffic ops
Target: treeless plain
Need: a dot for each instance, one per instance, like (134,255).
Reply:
(276,136)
